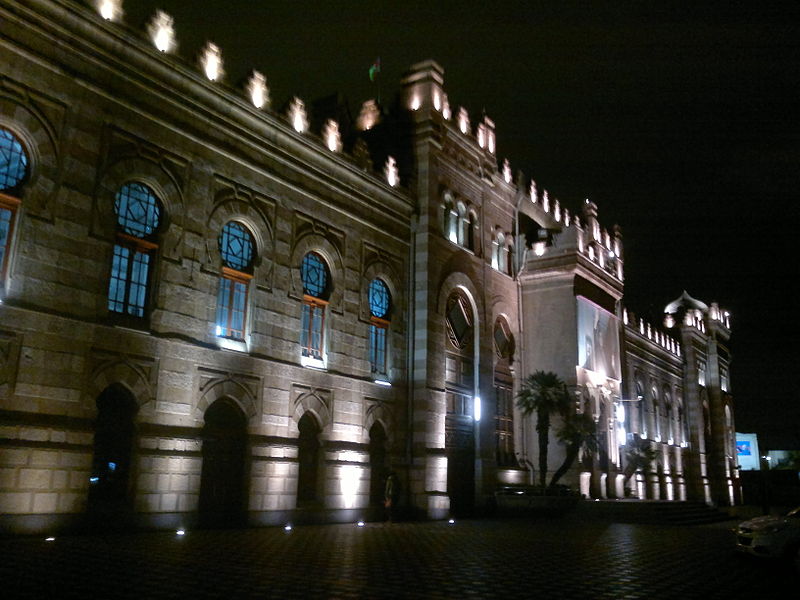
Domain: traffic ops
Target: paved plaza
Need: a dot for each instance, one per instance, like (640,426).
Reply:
(511,558)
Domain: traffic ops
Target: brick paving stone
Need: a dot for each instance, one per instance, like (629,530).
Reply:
(516,558)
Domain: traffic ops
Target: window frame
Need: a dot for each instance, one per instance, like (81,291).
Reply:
(236,276)
(11,204)
(147,245)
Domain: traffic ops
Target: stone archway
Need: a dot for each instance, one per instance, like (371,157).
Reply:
(110,495)
(222,481)
(308,458)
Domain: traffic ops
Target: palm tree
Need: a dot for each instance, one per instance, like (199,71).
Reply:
(578,431)
(545,394)
(638,454)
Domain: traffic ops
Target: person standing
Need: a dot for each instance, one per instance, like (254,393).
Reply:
(390,496)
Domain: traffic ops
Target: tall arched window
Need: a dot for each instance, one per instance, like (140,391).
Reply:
(450,219)
(316,291)
(504,395)
(461,405)
(640,406)
(236,248)
(138,218)
(463,223)
(654,406)
(379,307)
(13,173)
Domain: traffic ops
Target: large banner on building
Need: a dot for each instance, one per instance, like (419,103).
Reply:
(598,340)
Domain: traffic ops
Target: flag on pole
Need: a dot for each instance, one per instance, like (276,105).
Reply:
(375,69)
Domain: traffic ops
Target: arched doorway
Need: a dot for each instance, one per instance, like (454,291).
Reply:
(460,391)
(308,451)
(222,483)
(110,498)
(379,468)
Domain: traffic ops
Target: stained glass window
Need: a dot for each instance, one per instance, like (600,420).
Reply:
(236,249)
(138,216)
(138,212)
(314,274)
(13,161)
(378,299)
(379,304)
(316,287)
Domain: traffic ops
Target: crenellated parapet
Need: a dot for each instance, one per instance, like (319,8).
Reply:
(694,314)
(640,328)
(160,30)
(582,235)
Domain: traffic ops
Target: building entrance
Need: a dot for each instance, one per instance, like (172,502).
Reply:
(222,484)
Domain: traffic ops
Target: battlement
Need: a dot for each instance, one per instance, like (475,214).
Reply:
(643,329)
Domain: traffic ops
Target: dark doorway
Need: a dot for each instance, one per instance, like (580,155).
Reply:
(460,447)
(378,466)
(222,483)
(308,460)
(110,495)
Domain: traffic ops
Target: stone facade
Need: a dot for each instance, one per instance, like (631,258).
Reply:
(153,397)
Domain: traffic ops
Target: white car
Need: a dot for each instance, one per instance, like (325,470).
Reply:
(771,536)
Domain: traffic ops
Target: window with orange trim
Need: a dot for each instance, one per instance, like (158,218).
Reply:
(236,248)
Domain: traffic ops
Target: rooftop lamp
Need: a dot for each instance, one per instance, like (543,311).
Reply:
(161,31)
(211,60)
(257,89)
(110,10)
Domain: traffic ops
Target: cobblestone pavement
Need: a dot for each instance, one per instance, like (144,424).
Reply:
(514,558)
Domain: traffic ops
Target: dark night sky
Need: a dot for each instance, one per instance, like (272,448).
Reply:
(682,125)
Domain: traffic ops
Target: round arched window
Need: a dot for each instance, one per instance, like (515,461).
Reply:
(236,247)
(138,210)
(379,299)
(314,273)
(13,161)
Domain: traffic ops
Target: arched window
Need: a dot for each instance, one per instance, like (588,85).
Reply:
(236,248)
(471,225)
(654,404)
(13,173)
(497,251)
(138,218)
(463,223)
(504,395)
(640,406)
(450,219)
(462,406)
(316,291)
(379,307)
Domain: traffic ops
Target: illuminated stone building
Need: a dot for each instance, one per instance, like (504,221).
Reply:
(217,312)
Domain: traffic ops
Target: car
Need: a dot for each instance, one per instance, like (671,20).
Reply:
(771,536)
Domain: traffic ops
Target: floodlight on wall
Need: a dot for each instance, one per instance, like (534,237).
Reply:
(477,408)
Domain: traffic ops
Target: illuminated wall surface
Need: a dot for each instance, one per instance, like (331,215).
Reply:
(187,333)
(747,451)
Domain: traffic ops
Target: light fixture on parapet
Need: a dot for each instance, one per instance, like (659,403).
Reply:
(507,177)
(211,61)
(390,172)
(162,32)
(297,115)
(257,90)
(331,135)
(110,10)
(463,120)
